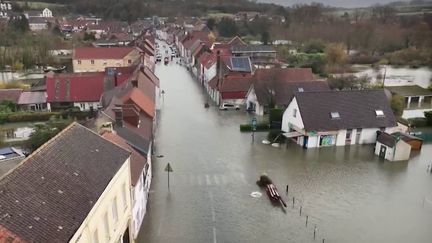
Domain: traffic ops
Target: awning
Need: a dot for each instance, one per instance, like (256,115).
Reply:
(292,134)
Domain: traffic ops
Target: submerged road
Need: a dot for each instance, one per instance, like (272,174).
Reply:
(347,193)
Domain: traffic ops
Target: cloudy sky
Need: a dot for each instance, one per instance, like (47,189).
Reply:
(336,3)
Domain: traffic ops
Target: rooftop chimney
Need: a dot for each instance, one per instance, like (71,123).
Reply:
(134,83)
(118,113)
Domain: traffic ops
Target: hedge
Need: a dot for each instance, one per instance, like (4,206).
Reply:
(40,116)
(418,122)
(260,127)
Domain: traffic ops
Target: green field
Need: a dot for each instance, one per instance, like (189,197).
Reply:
(40,5)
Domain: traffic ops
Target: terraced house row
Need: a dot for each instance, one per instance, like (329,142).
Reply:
(90,183)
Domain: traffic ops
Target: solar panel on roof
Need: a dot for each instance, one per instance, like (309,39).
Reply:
(241,64)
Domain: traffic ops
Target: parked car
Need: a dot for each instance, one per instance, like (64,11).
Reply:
(228,106)
(158,58)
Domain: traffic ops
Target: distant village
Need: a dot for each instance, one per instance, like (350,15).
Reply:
(46,195)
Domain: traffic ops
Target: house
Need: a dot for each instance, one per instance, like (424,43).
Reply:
(10,157)
(46,13)
(391,147)
(10,95)
(37,24)
(92,59)
(231,88)
(5,6)
(81,90)
(89,175)
(417,100)
(140,178)
(415,142)
(262,56)
(207,66)
(278,85)
(329,118)
(33,101)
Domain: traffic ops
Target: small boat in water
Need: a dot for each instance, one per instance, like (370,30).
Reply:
(271,190)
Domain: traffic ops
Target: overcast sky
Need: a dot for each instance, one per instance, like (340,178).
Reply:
(335,3)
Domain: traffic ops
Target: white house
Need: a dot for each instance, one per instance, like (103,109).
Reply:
(5,6)
(89,175)
(329,118)
(391,147)
(46,13)
(418,100)
(140,174)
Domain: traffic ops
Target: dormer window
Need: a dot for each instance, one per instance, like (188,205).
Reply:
(335,115)
(300,89)
(379,113)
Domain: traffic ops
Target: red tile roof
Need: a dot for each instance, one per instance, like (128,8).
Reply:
(151,76)
(143,102)
(207,59)
(233,95)
(102,52)
(137,161)
(146,86)
(7,236)
(284,74)
(236,83)
(83,87)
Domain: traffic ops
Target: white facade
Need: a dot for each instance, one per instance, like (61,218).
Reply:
(38,26)
(5,6)
(252,102)
(140,196)
(46,13)
(407,114)
(110,217)
(292,122)
(86,106)
(401,151)
(209,73)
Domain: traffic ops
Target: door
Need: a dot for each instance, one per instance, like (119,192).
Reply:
(382,152)
(305,141)
(348,137)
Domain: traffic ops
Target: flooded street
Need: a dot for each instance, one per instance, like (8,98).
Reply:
(346,192)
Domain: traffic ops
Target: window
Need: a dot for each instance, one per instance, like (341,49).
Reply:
(79,62)
(335,115)
(92,62)
(114,210)
(129,61)
(124,196)
(57,88)
(106,225)
(379,113)
(300,89)
(67,87)
(295,113)
(95,236)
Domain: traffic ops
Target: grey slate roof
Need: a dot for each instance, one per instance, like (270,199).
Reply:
(284,91)
(251,48)
(133,139)
(47,197)
(413,90)
(387,139)
(356,109)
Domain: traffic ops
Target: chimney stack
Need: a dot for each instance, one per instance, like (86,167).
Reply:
(134,83)
(118,113)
